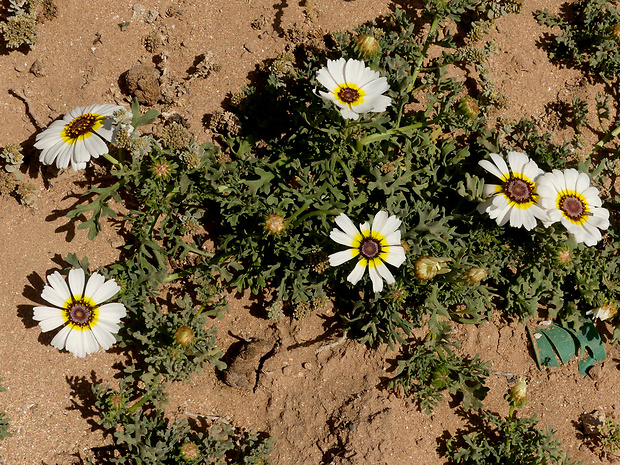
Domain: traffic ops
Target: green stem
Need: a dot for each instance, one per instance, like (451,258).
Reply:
(604,140)
(427,44)
(390,132)
(509,421)
(140,403)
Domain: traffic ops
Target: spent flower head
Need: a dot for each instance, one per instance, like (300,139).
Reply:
(353,87)
(374,244)
(605,312)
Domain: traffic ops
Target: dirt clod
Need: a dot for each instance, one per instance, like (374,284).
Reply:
(143,83)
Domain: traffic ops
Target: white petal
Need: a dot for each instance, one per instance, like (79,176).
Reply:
(517,161)
(570,178)
(380,103)
(346,225)
(583,182)
(395,256)
(76,282)
(112,312)
(336,69)
(347,113)
(106,291)
(103,337)
(94,283)
(49,318)
(390,225)
(59,289)
(376,87)
(377,282)
(379,221)
(326,79)
(393,238)
(385,273)
(357,273)
(61,338)
(339,258)
(341,238)
(353,71)
(491,168)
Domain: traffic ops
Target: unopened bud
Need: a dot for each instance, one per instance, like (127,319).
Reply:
(615,32)
(518,393)
(367,45)
(468,106)
(426,268)
(184,336)
(475,275)
(275,224)
(605,312)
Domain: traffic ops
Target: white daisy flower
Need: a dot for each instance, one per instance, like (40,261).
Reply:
(374,245)
(353,87)
(516,198)
(79,135)
(87,323)
(569,198)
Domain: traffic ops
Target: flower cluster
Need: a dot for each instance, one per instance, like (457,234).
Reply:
(526,194)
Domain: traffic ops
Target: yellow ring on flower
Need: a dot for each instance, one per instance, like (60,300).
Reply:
(583,216)
(352,87)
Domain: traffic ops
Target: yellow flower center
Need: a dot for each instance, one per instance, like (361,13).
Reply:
(82,127)
(573,206)
(519,190)
(371,246)
(349,94)
(80,313)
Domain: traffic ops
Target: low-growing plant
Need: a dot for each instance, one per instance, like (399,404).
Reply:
(589,36)
(509,440)
(430,368)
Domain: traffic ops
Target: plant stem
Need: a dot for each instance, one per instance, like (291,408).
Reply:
(427,44)
(604,140)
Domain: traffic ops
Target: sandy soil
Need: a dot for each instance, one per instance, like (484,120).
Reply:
(324,406)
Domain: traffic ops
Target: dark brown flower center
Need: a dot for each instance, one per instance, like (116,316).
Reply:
(81,125)
(80,313)
(348,95)
(370,248)
(573,207)
(519,190)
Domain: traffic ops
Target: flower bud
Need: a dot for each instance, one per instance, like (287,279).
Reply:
(184,336)
(605,312)
(189,451)
(615,32)
(476,274)
(367,45)
(426,268)
(518,393)
(468,106)
(275,224)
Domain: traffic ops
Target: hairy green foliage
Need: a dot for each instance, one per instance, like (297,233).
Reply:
(429,369)
(508,441)
(4,421)
(590,36)
(143,435)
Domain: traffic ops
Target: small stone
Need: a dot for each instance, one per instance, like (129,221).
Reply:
(307,365)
